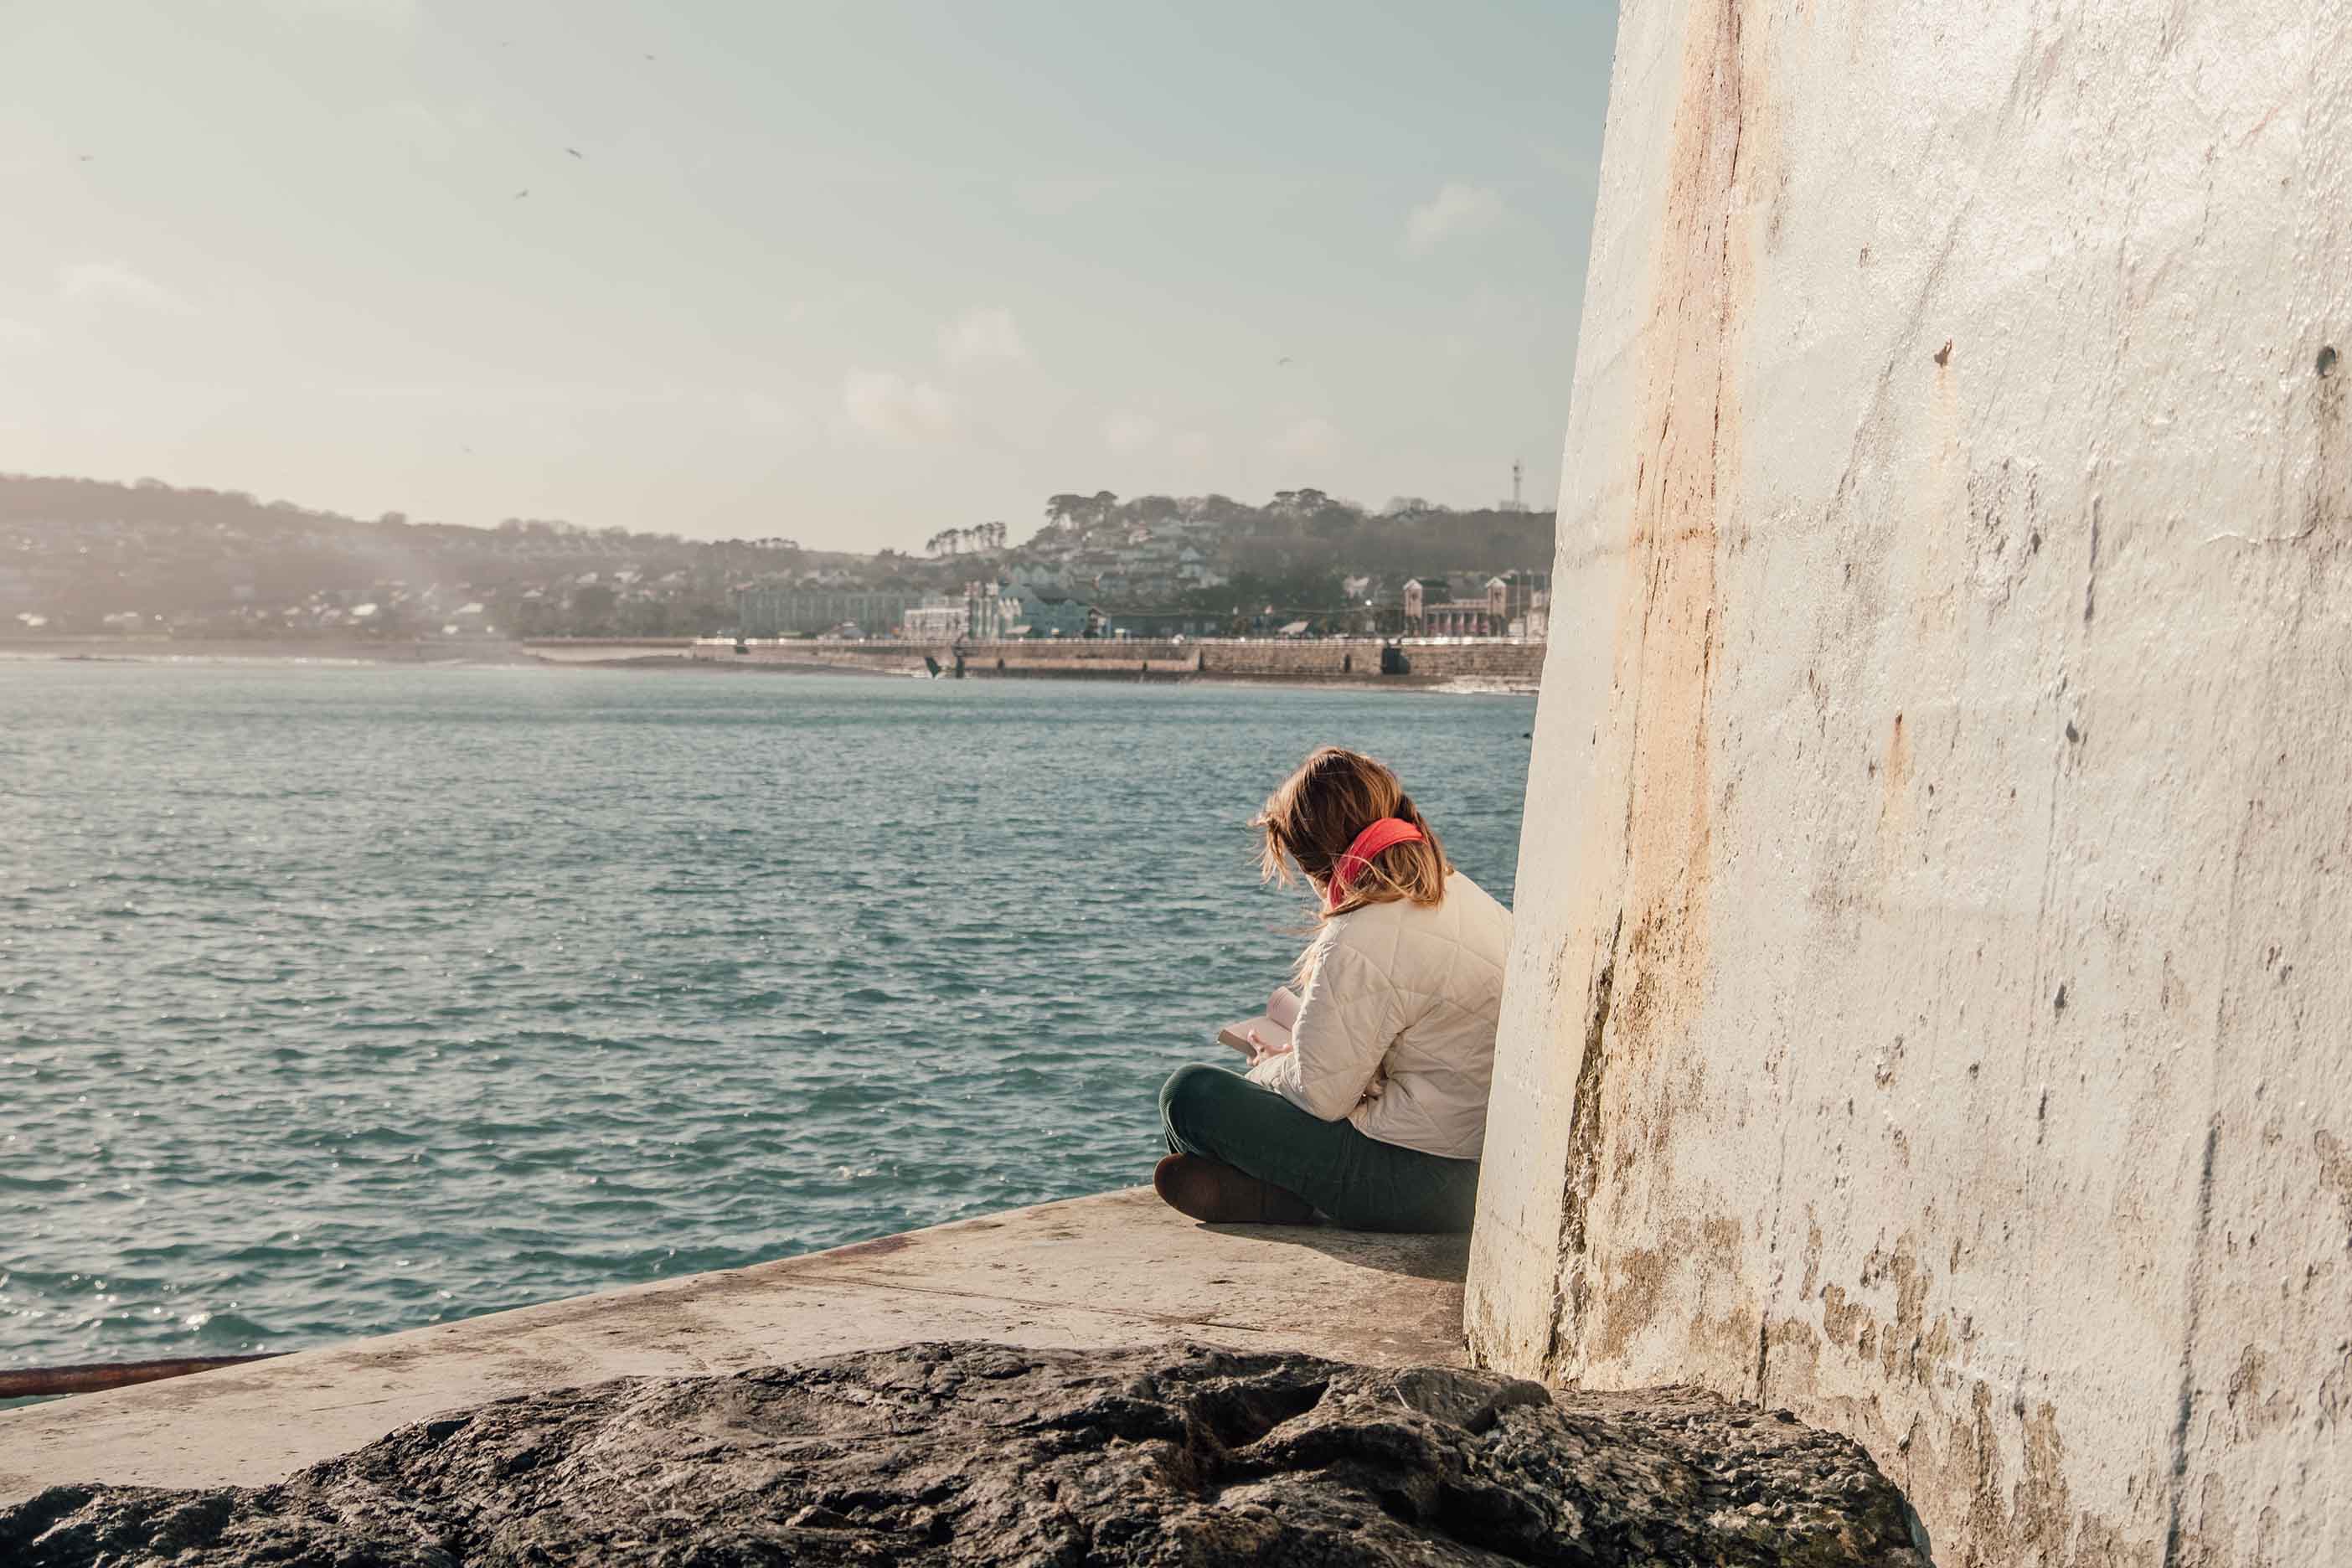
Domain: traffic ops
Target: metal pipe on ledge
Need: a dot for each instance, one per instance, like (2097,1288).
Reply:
(88,1377)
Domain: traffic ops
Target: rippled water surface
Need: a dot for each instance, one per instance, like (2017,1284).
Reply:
(334,1001)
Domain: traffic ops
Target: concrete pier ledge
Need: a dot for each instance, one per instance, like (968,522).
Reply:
(1116,1269)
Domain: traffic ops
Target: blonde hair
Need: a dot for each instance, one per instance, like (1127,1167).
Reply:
(1314,814)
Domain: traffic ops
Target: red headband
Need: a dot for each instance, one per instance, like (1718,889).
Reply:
(1379,836)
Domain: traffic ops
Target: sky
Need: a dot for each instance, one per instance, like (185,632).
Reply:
(851,274)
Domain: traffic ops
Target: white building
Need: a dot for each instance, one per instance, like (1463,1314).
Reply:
(938,618)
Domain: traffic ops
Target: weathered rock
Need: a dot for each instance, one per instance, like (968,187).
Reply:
(977,1454)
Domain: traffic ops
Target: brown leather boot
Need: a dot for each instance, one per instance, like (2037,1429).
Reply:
(1216,1193)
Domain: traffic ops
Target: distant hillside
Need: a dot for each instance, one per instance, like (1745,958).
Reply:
(85,555)
(78,552)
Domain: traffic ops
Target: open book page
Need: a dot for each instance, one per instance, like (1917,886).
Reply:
(1271,1027)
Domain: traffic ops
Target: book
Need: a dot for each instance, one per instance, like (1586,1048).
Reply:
(1272,1027)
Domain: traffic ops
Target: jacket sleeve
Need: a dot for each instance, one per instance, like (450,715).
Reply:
(1347,1017)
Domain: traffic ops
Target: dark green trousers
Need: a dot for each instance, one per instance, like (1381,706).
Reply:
(1360,1181)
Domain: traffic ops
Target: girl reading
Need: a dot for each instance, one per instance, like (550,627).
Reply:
(1371,1112)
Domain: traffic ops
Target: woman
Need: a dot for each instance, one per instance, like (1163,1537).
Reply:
(1374,1112)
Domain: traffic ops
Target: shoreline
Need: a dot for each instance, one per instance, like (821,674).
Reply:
(655,655)
(233,651)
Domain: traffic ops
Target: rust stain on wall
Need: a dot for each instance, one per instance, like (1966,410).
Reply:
(2335,1170)
(2253,1407)
(1584,1143)
(1634,1284)
(2021,1515)
(1663,669)
(1955,1447)
(1894,795)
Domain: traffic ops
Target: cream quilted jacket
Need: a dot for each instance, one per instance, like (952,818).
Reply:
(1396,1026)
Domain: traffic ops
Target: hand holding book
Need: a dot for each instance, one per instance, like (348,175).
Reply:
(1268,1034)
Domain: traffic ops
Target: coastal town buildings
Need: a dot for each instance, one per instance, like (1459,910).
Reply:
(1525,604)
(1163,623)
(985,611)
(1432,609)
(1035,615)
(1513,603)
(938,618)
(804,611)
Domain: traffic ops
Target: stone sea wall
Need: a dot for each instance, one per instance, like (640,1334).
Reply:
(1428,661)
(1927,1009)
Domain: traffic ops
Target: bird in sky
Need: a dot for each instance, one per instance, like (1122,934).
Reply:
(519,194)
(576,152)
(86,157)
(1284,359)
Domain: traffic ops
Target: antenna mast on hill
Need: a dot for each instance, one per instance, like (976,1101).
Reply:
(1516,504)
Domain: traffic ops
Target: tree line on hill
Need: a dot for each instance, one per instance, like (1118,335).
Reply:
(81,556)
(1308,528)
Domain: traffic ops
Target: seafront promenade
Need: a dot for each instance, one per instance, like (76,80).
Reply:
(1503,663)
(1515,663)
(1112,1270)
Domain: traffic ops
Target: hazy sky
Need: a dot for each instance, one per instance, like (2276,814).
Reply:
(851,273)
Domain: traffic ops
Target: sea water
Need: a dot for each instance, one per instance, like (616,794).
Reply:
(335,1001)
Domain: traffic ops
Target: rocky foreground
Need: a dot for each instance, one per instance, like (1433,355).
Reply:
(977,1454)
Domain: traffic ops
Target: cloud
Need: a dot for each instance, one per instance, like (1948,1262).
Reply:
(982,334)
(112,283)
(888,406)
(1454,212)
(1127,433)
(1311,439)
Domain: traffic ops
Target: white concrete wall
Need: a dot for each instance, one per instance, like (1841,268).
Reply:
(1931,1007)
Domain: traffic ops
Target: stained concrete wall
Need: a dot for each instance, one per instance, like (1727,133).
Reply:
(1929,1009)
